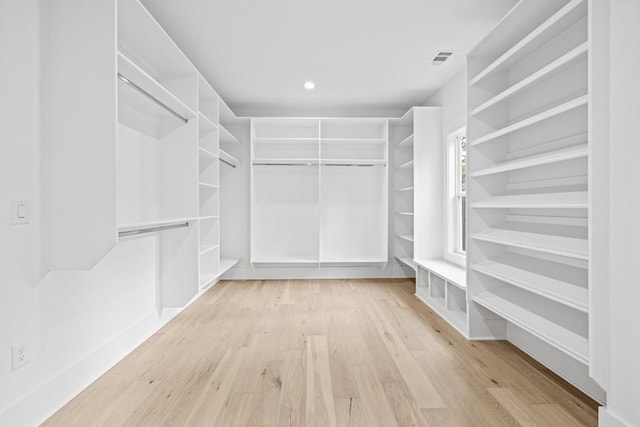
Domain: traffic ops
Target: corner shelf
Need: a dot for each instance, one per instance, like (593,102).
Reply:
(227,137)
(224,156)
(407,237)
(404,189)
(207,154)
(406,165)
(407,141)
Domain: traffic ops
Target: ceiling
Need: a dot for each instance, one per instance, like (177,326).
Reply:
(365,56)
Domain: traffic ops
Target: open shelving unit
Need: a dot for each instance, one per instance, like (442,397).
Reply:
(443,287)
(152,162)
(528,186)
(319,191)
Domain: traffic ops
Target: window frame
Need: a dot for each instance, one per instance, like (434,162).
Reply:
(455,248)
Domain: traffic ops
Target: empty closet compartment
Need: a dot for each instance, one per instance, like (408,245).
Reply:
(285,214)
(208,168)
(345,140)
(209,200)
(278,140)
(353,211)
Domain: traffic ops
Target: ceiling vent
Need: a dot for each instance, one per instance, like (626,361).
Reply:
(441,57)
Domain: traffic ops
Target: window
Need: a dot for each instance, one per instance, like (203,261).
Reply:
(457,196)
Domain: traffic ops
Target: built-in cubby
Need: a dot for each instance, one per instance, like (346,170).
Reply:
(442,286)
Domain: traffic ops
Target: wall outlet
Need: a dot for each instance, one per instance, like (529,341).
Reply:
(19,355)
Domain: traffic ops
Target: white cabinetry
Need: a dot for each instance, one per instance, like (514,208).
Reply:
(528,188)
(132,145)
(319,191)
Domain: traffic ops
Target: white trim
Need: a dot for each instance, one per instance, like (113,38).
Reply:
(451,203)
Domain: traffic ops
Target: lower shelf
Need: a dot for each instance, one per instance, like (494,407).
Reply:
(567,341)
(408,261)
(225,265)
(457,319)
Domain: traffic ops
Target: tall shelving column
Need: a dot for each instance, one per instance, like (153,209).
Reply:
(403,135)
(528,187)
(209,184)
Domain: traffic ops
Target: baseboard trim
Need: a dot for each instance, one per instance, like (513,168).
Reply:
(606,418)
(36,407)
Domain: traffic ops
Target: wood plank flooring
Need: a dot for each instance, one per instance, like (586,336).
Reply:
(322,353)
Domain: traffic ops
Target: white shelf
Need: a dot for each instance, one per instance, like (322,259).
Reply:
(557,245)
(206,153)
(228,157)
(226,137)
(208,186)
(408,261)
(353,261)
(408,237)
(550,28)
(405,213)
(556,290)
(400,190)
(353,162)
(452,273)
(289,139)
(407,141)
(206,126)
(569,200)
(226,264)
(271,162)
(564,61)
(536,118)
(555,156)
(285,261)
(558,336)
(207,248)
(406,165)
(354,140)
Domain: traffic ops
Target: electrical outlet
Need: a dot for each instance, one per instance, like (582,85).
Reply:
(19,355)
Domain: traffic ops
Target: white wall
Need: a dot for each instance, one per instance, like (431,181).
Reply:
(452,97)
(76,324)
(624,210)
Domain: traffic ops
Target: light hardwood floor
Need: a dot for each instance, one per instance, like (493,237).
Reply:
(322,353)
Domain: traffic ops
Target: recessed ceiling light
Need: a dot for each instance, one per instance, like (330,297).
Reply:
(309,85)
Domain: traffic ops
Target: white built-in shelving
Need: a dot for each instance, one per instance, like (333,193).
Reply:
(528,187)
(152,165)
(319,191)
(443,286)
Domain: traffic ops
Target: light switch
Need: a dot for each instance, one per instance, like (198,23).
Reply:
(19,211)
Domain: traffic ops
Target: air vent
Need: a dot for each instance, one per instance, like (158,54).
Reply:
(441,57)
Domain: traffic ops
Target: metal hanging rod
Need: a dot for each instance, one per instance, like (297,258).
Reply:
(138,231)
(363,165)
(151,97)
(228,163)
(284,164)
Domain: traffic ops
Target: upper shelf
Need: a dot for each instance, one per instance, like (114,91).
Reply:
(226,137)
(407,141)
(144,40)
(145,104)
(571,13)
(565,60)
(536,118)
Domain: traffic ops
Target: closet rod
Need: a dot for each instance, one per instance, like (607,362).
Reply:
(138,231)
(353,164)
(151,97)
(228,163)
(284,164)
